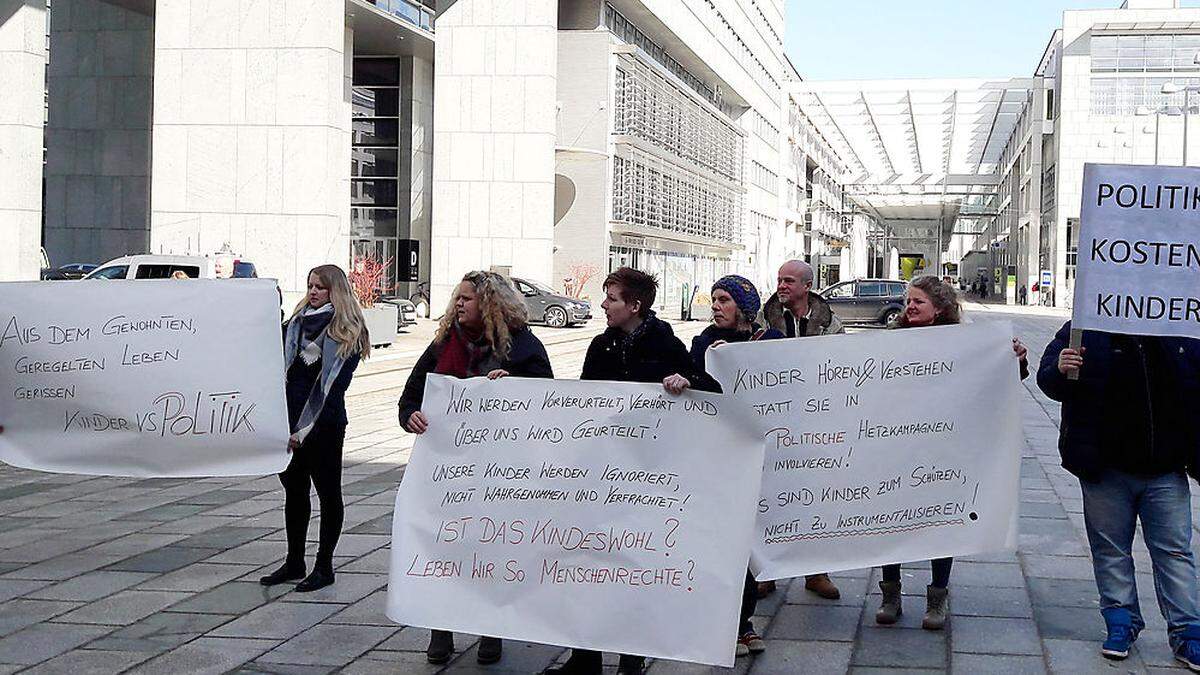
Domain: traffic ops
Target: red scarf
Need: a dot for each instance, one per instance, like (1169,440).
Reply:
(458,358)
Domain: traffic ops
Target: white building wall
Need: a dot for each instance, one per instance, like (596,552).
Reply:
(494,133)
(251,138)
(22,114)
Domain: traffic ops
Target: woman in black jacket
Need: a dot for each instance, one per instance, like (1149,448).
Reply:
(483,332)
(323,342)
(929,302)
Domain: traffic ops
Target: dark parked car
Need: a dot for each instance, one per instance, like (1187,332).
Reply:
(866,300)
(553,309)
(71,271)
(406,314)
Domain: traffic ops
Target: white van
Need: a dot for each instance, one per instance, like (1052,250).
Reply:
(149,266)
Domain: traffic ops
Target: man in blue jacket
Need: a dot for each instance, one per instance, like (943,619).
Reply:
(1127,434)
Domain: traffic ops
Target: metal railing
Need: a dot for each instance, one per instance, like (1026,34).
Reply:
(407,10)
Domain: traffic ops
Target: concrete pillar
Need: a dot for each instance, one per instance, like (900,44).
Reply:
(416,158)
(22,115)
(494,132)
(98,132)
(251,141)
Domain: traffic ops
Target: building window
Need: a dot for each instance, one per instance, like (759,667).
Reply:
(1122,96)
(1145,53)
(627,32)
(375,189)
(651,193)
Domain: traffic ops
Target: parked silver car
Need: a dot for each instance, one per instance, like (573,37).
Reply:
(553,309)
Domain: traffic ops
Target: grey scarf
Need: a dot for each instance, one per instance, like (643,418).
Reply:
(307,339)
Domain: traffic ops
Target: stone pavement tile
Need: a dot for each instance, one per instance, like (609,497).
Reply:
(375,562)
(1069,623)
(370,611)
(46,640)
(277,620)
(134,544)
(984,601)
(13,540)
(329,645)
(197,577)
(1008,557)
(225,536)
(519,657)
(21,613)
(988,635)
(245,508)
(257,668)
(1038,496)
(995,664)
(813,622)
(165,512)
(899,648)
(160,632)
(347,588)
(235,597)
(786,656)
(88,661)
(390,663)
(55,544)
(378,525)
(14,588)
(255,552)
(205,656)
(868,670)
(90,586)
(123,608)
(995,575)
(356,545)
(193,524)
(1057,567)
(413,639)
(219,497)
(1154,649)
(64,566)
(663,667)
(165,559)
(1075,656)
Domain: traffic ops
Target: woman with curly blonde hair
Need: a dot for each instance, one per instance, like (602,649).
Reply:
(484,332)
(323,343)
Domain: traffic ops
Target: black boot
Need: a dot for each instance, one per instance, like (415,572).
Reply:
(631,665)
(319,578)
(286,572)
(441,646)
(581,662)
(490,650)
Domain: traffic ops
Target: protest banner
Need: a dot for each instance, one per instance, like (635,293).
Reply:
(1139,251)
(881,447)
(601,515)
(143,378)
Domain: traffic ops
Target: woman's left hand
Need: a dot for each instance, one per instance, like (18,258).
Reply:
(676,383)
(1019,349)
(497,374)
(293,442)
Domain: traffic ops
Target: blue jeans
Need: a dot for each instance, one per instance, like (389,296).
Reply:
(1111,508)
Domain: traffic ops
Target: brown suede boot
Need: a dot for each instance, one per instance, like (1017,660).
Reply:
(890,609)
(822,586)
(937,608)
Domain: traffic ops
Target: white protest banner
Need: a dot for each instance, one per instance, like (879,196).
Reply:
(1139,251)
(602,515)
(143,378)
(883,447)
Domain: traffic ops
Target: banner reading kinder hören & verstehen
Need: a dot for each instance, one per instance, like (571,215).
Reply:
(602,515)
(1139,251)
(149,378)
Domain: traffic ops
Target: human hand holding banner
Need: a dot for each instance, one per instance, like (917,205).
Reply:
(143,378)
(881,447)
(601,515)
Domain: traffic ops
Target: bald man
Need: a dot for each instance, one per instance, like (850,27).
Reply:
(796,312)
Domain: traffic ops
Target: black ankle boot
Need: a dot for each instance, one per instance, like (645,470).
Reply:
(490,650)
(441,646)
(287,572)
(318,579)
(631,665)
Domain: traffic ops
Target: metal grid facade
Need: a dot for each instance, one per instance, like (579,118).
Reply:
(652,193)
(649,107)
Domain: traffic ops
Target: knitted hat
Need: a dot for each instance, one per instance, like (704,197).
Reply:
(744,294)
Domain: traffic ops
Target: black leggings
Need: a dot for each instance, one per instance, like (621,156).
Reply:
(318,462)
(749,604)
(941,572)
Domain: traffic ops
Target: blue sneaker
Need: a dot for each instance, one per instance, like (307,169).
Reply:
(1188,653)
(1121,634)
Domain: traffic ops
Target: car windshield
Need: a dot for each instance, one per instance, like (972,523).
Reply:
(244,270)
(840,291)
(541,287)
(114,272)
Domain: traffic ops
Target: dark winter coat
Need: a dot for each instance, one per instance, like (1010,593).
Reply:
(821,321)
(705,339)
(649,354)
(526,358)
(1131,408)
(300,381)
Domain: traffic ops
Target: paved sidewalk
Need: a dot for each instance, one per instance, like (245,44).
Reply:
(106,575)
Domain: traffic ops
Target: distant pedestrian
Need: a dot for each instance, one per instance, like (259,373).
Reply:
(930,301)
(323,343)
(735,305)
(483,332)
(1128,433)
(179,274)
(636,347)
(795,311)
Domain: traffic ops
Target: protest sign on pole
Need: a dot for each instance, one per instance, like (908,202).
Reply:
(882,447)
(1139,251)
(143,378)
(601,515)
